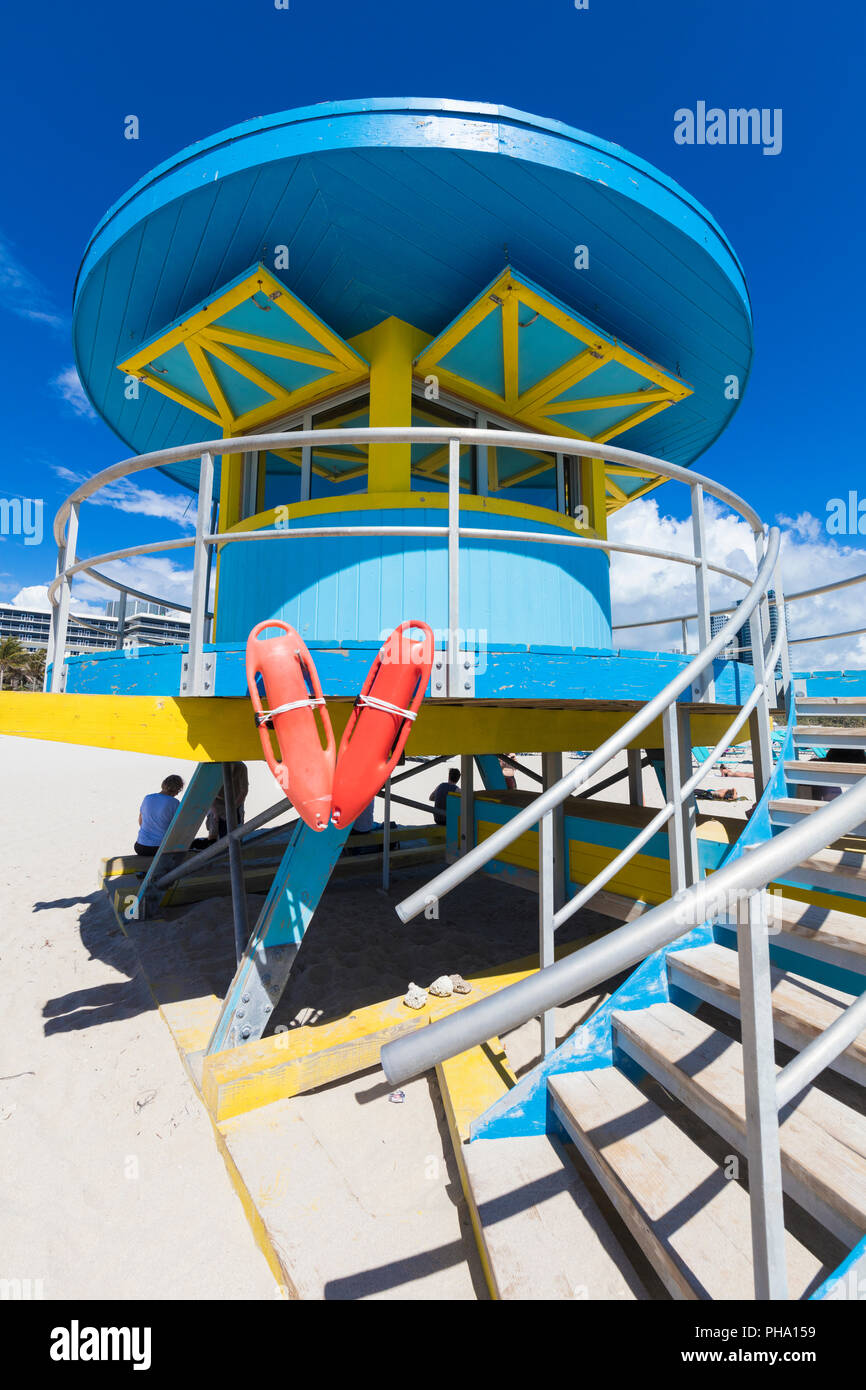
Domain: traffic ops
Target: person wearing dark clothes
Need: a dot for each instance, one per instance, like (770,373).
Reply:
(440,795)
(239,780)
(156,815)
(838,755)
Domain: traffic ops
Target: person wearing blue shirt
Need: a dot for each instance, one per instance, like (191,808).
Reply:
(156,815)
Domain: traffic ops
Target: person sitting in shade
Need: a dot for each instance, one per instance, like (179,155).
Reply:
(239,780)
(367,819)
(440,795)
(156,815)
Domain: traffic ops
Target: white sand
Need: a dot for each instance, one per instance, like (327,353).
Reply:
(113,1183)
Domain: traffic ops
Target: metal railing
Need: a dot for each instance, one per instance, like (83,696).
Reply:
(694,899)
(685,618)
(204,541)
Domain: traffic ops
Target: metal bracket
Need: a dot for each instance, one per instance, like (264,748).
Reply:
(461,676)
(208,681)
(439,676)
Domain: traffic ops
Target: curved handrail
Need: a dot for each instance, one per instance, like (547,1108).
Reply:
(789,598)
(205,542)
(549,800)
(415,434)
(705,900)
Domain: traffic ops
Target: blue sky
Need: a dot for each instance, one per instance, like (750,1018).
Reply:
(619,69)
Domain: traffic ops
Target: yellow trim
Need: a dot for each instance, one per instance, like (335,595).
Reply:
(510,348)
(211,385)
(200,332)
(375,501)
(592,492)
(234,337)
(537,407)
(207,730)
(179,397)
(606,402)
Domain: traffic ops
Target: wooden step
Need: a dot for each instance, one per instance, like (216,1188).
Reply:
(829,736)
(801,1008)
(831,870)
(824,706)
(820,933)
(689,1218)
(790,810)
(820,772)
(542,1231)
(823,1141)
(539,1232)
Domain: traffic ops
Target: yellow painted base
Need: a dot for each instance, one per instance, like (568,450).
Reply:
(222,730)
(245,1078)
(469,1084)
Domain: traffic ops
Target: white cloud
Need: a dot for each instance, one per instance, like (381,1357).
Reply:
(128,496)
(35,596)
(643,588)
(67,384)
(21,292)
(152,574)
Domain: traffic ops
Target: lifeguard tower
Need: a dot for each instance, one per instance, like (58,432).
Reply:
(410,356)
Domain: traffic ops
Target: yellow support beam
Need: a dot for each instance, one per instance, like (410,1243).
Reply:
(204,730)
(593,494)
(390,348)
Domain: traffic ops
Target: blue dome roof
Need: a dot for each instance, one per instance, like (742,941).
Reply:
(409,207)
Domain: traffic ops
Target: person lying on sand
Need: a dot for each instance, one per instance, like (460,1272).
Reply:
(156,815)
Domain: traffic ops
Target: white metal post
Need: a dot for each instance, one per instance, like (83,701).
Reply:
(785,653)
(60,617)
(546,909)
(121,619)
(193,683)
(482,470)
(453,564)
(52,625)
(704,689)
(685,629)
(688,805)
(762,1115)
(307,461)
(673,786)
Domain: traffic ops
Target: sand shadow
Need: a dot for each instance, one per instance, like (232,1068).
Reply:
(112,999)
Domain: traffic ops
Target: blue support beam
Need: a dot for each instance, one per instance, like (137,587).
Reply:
(264,968)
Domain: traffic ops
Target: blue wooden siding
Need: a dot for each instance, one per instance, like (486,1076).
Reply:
(359,588)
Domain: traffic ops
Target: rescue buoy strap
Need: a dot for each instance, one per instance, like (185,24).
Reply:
(386,706)
(266,717)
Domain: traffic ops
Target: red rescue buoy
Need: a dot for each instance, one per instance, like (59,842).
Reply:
(381,720)
(298,717)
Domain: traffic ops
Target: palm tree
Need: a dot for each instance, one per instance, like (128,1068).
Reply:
(12,657)
(34,668)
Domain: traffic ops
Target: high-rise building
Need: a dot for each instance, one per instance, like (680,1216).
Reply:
(739,649)
(145,625)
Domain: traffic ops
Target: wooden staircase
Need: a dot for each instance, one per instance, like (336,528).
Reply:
(657,1116)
